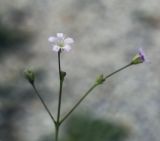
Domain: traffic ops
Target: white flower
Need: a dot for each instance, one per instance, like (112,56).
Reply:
(60,42)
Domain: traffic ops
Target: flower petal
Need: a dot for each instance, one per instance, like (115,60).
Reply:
(68,41)
(56,48)
(52,39)
(142,55)
(67,48)
(60,35)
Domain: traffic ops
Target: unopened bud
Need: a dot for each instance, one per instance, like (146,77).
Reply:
(139,58)
(100,79)
(30,76)
(63,74)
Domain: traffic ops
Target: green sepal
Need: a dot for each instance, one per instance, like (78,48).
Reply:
(29,75)
(100,79)
(63,74)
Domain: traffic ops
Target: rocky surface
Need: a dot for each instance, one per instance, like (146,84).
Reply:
(107,34)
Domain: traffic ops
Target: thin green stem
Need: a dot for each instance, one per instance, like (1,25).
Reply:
(76,105)
(89,90)
(59,64)
(57,132)
(59,102)
(60,87)
(60,96)
(117,71)
(44,104)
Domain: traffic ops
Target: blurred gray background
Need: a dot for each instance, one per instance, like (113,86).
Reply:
(107,34)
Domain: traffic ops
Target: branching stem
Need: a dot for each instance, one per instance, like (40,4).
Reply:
(89,90)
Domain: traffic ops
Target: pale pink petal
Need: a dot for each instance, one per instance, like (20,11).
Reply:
(60,35)
(67,48)
(52,39)
(68,41)
(56,48)
(143,55)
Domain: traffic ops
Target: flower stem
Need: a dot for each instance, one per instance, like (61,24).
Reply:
(57,132)
(60,96)
(44,104)
(90,90)
(76,105)
(60,87)
(126,66)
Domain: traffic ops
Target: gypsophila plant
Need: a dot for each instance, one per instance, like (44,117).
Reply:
(59,44)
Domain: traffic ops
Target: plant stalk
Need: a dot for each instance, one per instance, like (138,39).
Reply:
(44,104)
(60,96)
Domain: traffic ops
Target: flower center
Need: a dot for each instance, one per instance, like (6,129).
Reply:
(60,43)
